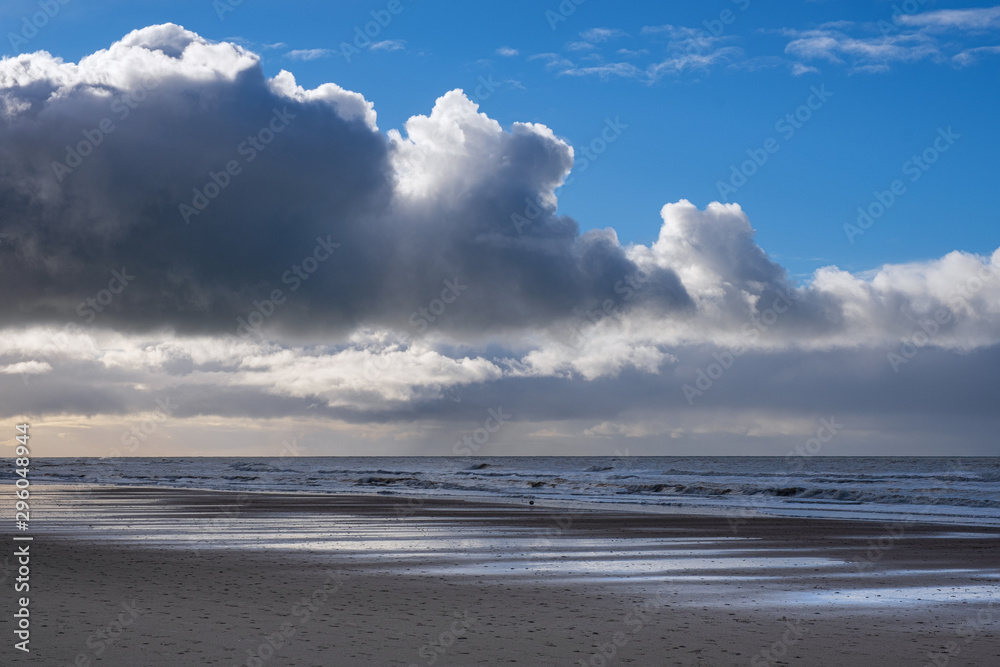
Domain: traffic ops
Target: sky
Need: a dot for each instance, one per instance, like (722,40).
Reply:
(531,228)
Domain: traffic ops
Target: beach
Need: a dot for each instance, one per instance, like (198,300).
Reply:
(143,576)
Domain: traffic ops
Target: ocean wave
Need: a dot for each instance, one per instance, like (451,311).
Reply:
(935,483)
(836,494)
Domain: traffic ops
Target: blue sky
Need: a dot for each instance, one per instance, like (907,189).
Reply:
(685,129)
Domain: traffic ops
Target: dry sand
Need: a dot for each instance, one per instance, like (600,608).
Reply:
(375,580)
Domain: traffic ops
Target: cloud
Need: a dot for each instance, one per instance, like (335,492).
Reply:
(776,391)
(861,47)
(389,45)
(598,35)
(678,32)
(632,344)
(507,52)
(309,54)
(401,213)
(908,38)
(970,56)
(316,54)
(691,51)
(985,18)
(686,50)
(679,63)
(26,368)
(553,61)
(606,70)
(731,281)
(863,52)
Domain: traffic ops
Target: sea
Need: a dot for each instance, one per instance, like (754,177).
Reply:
(957,490)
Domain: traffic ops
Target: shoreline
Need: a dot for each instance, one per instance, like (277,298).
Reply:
(869,512)
(934,489)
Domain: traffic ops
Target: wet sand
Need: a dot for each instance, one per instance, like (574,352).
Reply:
(127,576)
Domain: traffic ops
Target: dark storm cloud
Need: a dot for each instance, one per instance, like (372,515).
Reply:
(175,162)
